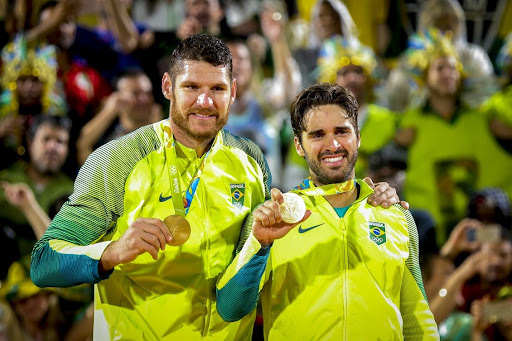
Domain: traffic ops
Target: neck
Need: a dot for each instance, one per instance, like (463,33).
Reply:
(444,105)
(201,146)
(342,199)
(36,177)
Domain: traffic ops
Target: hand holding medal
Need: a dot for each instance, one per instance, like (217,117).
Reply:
(275,218)
(179,228)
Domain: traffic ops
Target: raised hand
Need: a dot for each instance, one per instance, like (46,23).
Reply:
(458,240)
(268,225)
(19,195)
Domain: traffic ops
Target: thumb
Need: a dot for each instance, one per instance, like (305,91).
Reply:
(277,195)
(369,182)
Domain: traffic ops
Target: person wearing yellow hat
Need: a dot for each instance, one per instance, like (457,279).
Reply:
(453,149)
(30,312)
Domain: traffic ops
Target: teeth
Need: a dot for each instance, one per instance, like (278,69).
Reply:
(333,159)
(201,115)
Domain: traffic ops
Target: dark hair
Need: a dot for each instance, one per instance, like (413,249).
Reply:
(130,72)
(201,48)
(495,198)
(47,5)
(61,122)
(322,94)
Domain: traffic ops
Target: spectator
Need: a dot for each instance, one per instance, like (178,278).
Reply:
(86,62)
(48,139)
(36,311)
(32,313)
(247,117)
(493,272)
(133,40)
(30,88)
(500,103)
(329,18)
(452,149)
(128,108)
(404,91)
(261,103)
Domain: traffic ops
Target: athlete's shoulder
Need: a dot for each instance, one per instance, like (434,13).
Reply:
(241,143)
(122,154)
(135,144)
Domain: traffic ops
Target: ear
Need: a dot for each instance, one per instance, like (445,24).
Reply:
(233,91)
(358,140)
(298,147)
(167,86)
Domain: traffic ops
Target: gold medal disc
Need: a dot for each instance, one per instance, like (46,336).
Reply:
(179,228)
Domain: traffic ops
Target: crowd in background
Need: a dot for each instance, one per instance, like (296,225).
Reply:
(433,80)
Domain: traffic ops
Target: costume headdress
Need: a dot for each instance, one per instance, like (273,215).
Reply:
(338,52)
(424,47)
(20,59)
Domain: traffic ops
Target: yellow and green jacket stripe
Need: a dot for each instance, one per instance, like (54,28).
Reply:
(174,296)
(332,278)
(450,160)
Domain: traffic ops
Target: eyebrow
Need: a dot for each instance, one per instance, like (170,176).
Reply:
(313,132)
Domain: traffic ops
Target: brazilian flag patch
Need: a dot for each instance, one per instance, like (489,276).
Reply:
(237,195)
(377,232)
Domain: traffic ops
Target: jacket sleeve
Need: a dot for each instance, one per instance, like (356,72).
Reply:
(239,286)
(418,321)
(69,252)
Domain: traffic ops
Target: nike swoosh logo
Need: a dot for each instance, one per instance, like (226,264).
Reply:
(162,198)
(301,230)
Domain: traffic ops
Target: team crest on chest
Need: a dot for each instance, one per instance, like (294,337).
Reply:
(237,195)
(377,232)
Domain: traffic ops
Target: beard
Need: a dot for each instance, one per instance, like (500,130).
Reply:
(181,120)
(322,176)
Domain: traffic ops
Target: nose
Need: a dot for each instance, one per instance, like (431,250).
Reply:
(52,144)
(332,144)
(204,100)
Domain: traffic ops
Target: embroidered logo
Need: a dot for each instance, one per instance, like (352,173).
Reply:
(237,195)
(301,230)
(162,198)
(377,232)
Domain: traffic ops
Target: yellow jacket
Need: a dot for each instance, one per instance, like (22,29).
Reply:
(331,278)
(172,298)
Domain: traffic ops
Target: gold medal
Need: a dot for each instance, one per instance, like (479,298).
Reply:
(179,228)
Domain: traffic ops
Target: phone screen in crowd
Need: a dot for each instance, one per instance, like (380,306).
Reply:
(486,234)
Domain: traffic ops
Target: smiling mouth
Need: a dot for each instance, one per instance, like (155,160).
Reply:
(333,159)
(199,115)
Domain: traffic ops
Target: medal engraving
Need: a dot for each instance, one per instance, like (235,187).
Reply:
(293,208)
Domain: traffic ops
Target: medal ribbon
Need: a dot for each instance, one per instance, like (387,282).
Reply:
(307,187)
(181,204)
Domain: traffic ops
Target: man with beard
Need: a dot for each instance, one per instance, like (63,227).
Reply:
(350,270)
(156,214)
(48,138)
